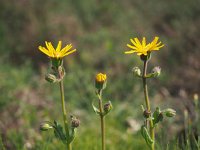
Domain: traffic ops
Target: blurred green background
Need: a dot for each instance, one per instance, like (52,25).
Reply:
(99,30)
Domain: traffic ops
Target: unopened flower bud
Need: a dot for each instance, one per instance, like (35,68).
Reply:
(196,99)
(75,122)
(100,81)
(136,72)
(50,78)
(156,71)
(61,72)
(169,112)
(107,107)
(45,127)
(147,114)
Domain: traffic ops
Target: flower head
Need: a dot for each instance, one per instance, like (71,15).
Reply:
(100,81)
(142,48)
(57,52)
(100,77)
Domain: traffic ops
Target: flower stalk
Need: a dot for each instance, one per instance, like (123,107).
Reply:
(103,109)
(56,75)
(151,119)
(102,118)
(148,107)
(66,126)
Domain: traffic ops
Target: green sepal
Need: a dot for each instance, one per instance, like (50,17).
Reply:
(145,57)
(96,110)
(100,85)
(56,62)
(58,132)
(146,135)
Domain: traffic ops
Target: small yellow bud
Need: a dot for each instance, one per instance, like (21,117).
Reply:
(100,77)
(100,81)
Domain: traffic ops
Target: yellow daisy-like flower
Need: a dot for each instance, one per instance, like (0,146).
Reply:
(57,53)
(142,48)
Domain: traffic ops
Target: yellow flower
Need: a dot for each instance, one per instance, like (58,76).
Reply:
(57,53)
(100,78)
(100,81)
(142,48)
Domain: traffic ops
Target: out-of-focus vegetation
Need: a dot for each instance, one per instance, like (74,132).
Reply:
(100,31)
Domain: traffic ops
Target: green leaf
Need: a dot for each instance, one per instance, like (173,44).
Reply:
(72,135)
(146,135)
(96,110)
(58,132)
(157,116)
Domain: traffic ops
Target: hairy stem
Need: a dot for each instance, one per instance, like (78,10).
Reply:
(69,147)
(148,107)
(102,121)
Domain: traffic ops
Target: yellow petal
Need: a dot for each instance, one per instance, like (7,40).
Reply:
(138,44)
(131,46)
(51,49)
(65,49)
(72,51)
(44,50)
(129,52)
(155,40)
(132,41)
(59,46)
(144,42)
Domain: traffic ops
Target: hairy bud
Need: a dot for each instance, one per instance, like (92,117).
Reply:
(45,127)
(136,71)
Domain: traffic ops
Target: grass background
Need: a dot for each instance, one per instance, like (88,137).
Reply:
(99,30)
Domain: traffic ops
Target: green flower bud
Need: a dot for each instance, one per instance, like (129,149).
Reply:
(75,122)
(50,78)
(61,72)
(136,72)
(107,107)
(196,99)
(45,127)
(156,71)
(169,112)
(147,114)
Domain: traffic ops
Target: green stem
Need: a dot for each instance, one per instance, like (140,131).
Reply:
(102,121)
(152,132)
(69,147)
